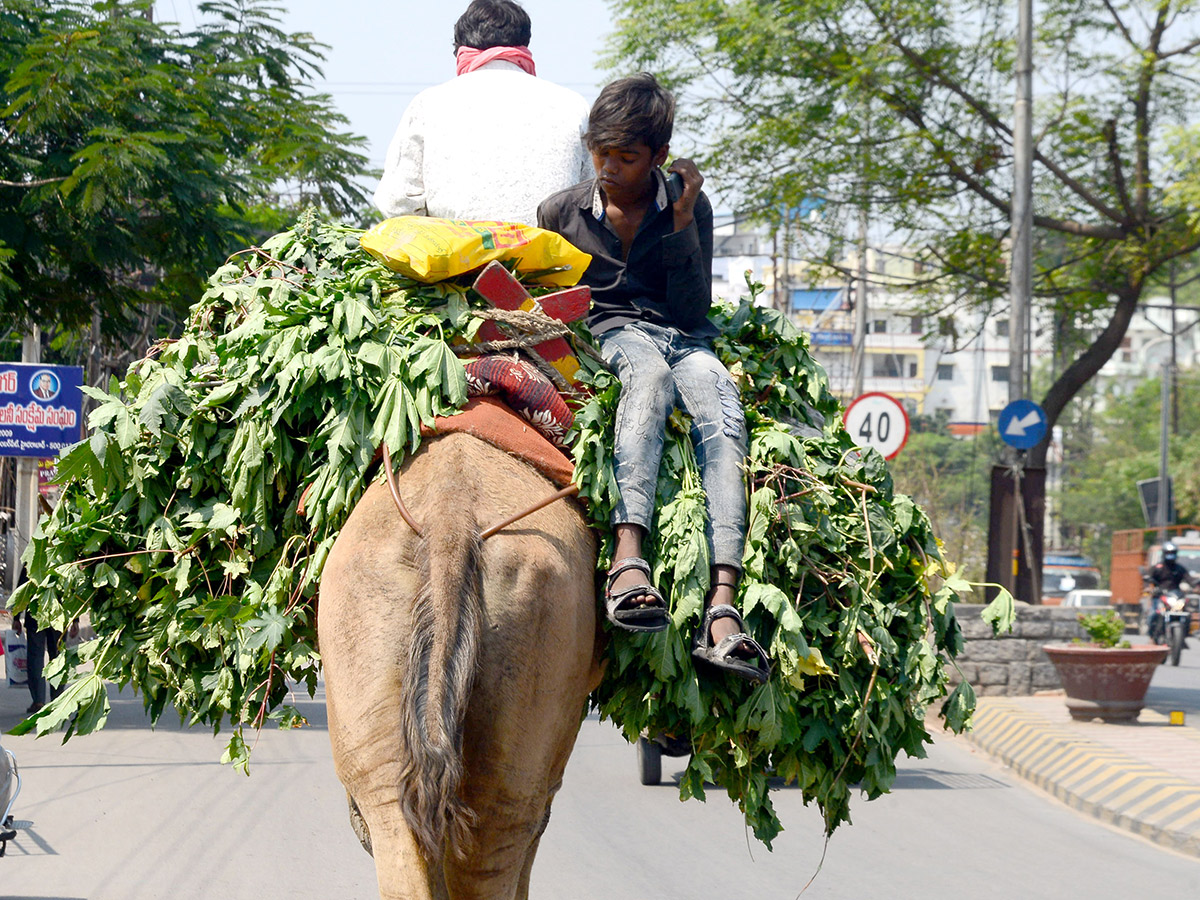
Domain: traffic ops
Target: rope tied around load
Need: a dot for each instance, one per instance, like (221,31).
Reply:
(532,327)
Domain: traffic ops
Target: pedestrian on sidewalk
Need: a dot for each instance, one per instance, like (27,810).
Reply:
(40,643)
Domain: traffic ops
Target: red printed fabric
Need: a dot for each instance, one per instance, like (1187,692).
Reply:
(530,393)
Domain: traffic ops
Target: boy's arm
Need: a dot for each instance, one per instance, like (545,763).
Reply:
(687,256)
(401,190)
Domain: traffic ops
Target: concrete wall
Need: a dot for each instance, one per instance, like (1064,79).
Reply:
(1013,664)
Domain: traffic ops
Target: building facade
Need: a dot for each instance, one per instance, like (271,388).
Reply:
(953,367)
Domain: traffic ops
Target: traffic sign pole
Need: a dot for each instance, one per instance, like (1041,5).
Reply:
(1023,425)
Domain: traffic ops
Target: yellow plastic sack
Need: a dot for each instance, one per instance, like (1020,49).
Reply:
(429,249)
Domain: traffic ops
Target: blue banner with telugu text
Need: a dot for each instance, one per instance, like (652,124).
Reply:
(40,409)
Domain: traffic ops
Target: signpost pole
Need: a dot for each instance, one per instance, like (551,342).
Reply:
(27,475)
(1023,425)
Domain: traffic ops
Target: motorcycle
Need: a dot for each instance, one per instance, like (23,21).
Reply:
(1169,621)
(10,786)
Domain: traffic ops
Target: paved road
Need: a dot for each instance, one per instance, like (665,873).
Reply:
(135,814)
(1176,687)
(130,814)
(956,825)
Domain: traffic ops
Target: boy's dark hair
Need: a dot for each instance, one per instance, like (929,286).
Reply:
(629,110)
(492,23)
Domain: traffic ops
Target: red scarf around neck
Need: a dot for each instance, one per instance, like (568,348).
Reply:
(470,59)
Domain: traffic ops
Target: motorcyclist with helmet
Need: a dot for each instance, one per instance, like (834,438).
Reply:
(1166,575)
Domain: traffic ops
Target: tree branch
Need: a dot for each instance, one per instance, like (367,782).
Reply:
(31,184)
(1114,158)
(1076,375)
(936,75)
(1121,25)
(1141,116)
(1181,51)
(960,174)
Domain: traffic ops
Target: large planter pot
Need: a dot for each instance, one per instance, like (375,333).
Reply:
(1109,683)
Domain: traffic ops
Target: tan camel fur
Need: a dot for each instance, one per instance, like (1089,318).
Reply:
(457,671)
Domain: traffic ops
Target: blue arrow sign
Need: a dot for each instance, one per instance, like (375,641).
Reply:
(1022,424)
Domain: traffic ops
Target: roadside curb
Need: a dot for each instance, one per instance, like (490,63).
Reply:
(1089,775)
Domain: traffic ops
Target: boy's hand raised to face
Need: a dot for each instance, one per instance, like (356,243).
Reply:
(685,206)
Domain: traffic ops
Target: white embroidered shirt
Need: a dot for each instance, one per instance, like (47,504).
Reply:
(490,144)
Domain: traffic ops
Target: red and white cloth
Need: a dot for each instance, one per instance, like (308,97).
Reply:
(530,393)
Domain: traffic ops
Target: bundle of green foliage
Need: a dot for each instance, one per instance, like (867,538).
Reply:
(182,535)
(838,586)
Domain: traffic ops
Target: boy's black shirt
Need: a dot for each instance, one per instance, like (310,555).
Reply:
(667,278)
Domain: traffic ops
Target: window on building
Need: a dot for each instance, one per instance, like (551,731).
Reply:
(1000,373)
(912,370)
(916,325)
(879,326)
(945,372)
(1002,330)
(886,365)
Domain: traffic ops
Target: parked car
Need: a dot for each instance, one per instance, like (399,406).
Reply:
(1065,572)
(1088,598)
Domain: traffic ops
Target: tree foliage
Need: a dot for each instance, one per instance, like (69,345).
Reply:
(132,153)
(905,106)
(1105,461)
(949,478)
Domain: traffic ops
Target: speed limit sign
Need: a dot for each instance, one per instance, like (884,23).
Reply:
(877,420)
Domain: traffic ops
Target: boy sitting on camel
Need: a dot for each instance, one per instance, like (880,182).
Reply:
(651,282)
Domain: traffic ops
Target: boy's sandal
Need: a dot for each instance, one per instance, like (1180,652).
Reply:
(725,654)
(624,613)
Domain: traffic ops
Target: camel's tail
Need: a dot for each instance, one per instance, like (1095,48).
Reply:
(447,621)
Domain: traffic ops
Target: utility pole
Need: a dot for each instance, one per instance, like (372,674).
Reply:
(1174,355)
(776,294)
(858,352)
(1016,520)
(1164,478)
(1021,269)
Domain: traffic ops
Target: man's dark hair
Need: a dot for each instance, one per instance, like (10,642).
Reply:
(629,110)
(492,23)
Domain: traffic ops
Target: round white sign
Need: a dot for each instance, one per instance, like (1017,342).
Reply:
(877,420)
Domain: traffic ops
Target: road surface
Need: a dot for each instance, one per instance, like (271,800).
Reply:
(131,813)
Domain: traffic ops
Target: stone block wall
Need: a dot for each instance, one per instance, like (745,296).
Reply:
(1013,664)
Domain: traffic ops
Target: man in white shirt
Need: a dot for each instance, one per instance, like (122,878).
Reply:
(493,142)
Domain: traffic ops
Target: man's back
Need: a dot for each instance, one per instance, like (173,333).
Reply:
(490,144)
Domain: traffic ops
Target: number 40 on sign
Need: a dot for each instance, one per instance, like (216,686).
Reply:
(877,420)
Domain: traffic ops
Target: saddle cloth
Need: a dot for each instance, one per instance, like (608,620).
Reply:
(492,420)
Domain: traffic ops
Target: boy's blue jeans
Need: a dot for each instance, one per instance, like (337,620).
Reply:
(660,367)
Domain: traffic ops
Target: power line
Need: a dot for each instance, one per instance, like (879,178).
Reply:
(425,84)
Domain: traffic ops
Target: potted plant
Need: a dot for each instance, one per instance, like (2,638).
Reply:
(1105,677)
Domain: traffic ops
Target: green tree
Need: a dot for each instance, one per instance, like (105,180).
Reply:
(1105,461)
(135,156)
(904,107)
(950,478)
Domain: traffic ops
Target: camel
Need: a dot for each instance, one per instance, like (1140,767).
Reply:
(457,670)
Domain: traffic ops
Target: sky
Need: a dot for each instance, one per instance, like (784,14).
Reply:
(382,52)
